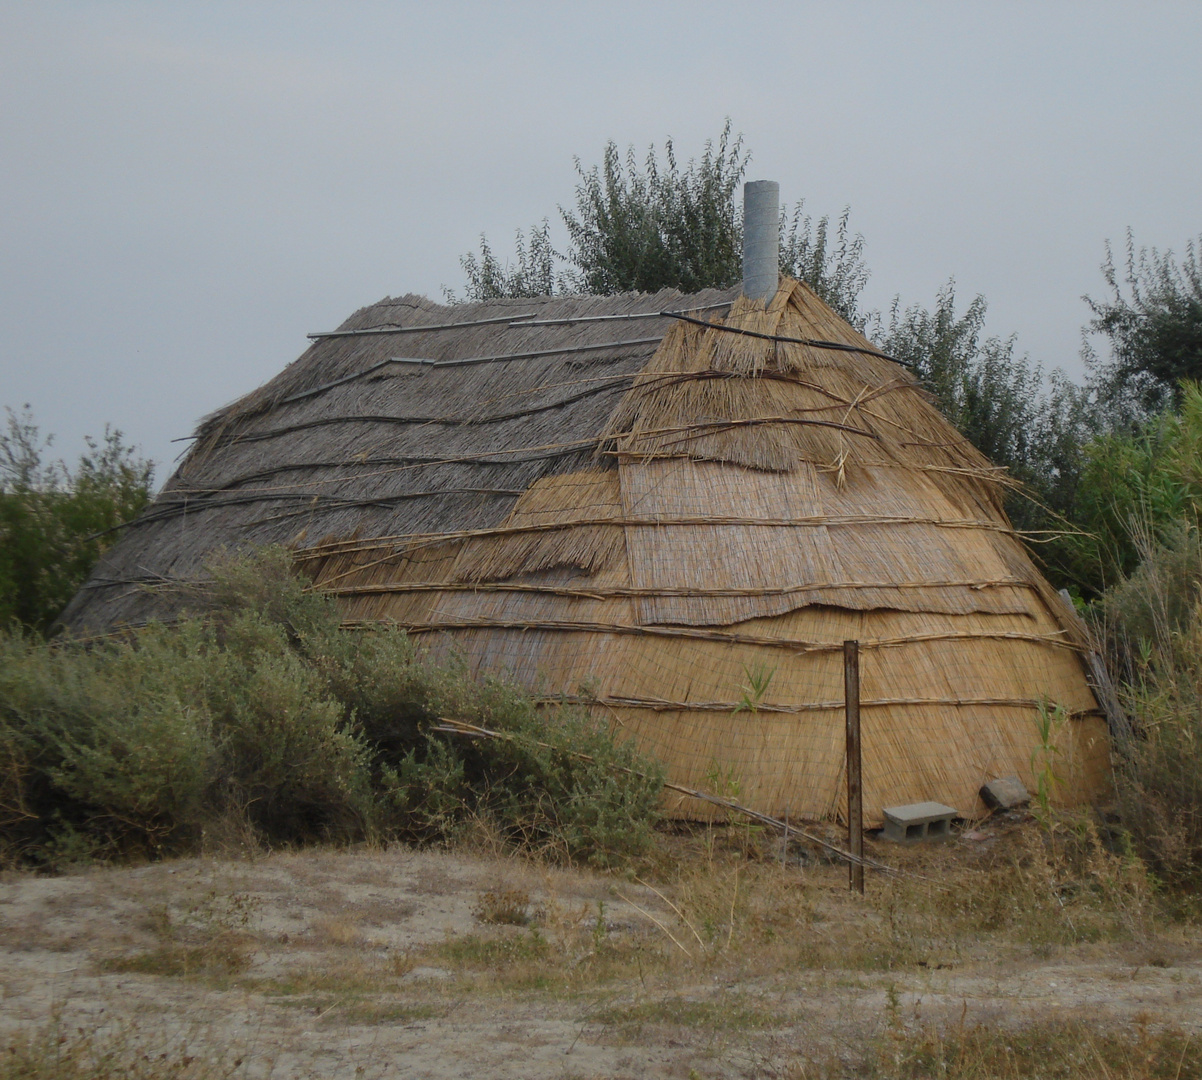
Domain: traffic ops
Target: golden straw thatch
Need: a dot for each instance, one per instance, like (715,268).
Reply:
(680,517)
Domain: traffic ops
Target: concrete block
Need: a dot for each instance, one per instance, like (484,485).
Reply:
(918,821)
(1005,793)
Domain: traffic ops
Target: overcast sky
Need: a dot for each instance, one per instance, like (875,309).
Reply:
(187,188)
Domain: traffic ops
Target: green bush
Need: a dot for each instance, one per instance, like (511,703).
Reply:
(1162,795)
(1134,490)
(56,522)
(1153,620)
(1160,770)
(560,783)
(262,711)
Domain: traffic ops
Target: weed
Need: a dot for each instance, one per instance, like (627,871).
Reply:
(503,905)
(57,1051)
(599,928)
(210,938)
(1049,720)
(476,953)
(388,1011)
(214,960)
(759,678)
(1153,629)
(1042,1050)
(338,932)
(892,1008)
(338,981)
(730,1013)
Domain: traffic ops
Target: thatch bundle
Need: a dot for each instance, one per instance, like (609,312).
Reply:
(678,518)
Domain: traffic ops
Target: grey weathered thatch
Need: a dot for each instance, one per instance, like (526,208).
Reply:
(344,442)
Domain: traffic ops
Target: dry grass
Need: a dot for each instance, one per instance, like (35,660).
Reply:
(57,1051)
(719,902)
(340,933)
(1028,949)
(1024,892)
(208,938)
(724,908)
(503,905)
(1044,1049)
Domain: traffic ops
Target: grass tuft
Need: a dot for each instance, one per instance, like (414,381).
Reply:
(503,905)
(1045,1050)
(56,1051)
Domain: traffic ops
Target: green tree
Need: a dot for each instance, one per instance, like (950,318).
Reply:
(660,226)
(56,522)
(1036,426)
(1153,320)
(997,398)
(831,263)
(1138,489)
(655,225)
(533,272)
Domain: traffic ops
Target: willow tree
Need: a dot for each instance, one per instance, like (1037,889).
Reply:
(641,226)
(1153,320)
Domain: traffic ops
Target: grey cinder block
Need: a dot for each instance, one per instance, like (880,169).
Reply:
(918,821)
(1005,793)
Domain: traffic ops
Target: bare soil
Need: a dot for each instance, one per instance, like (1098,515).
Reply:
(393,963)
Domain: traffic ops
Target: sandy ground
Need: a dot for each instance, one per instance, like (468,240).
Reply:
(344,964)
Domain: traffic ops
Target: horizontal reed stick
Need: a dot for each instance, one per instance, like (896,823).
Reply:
(791,644)
(624,591)
(662,705)
(408,540)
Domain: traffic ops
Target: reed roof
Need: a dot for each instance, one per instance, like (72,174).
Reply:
(351,440)
(657,495)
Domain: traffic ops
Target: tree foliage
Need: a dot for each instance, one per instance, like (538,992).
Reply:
(1004,405)
(831,263)
(533,271)
(1153,320)
(55,521)
(650,225)
(660,226)
(1138,489)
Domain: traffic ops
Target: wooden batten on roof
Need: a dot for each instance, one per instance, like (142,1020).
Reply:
(585,490)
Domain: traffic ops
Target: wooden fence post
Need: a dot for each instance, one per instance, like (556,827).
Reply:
(855,794)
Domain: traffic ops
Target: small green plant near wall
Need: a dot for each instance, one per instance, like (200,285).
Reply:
(723,781)
(1049,720)
(759,678)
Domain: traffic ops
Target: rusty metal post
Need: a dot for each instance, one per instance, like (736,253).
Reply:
(855,793)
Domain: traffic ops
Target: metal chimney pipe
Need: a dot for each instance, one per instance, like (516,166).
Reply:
(761,239)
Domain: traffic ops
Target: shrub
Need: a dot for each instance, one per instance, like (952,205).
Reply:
(561,784)
(56,522)
(262,709)
(1154,628)
(1160,771)
(140,744)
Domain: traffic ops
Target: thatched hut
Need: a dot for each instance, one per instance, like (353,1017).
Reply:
(684,504)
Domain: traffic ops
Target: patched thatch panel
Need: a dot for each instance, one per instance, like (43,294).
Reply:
(660,508)
(525,545)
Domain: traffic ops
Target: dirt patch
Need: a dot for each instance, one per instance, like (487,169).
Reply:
(440,965)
